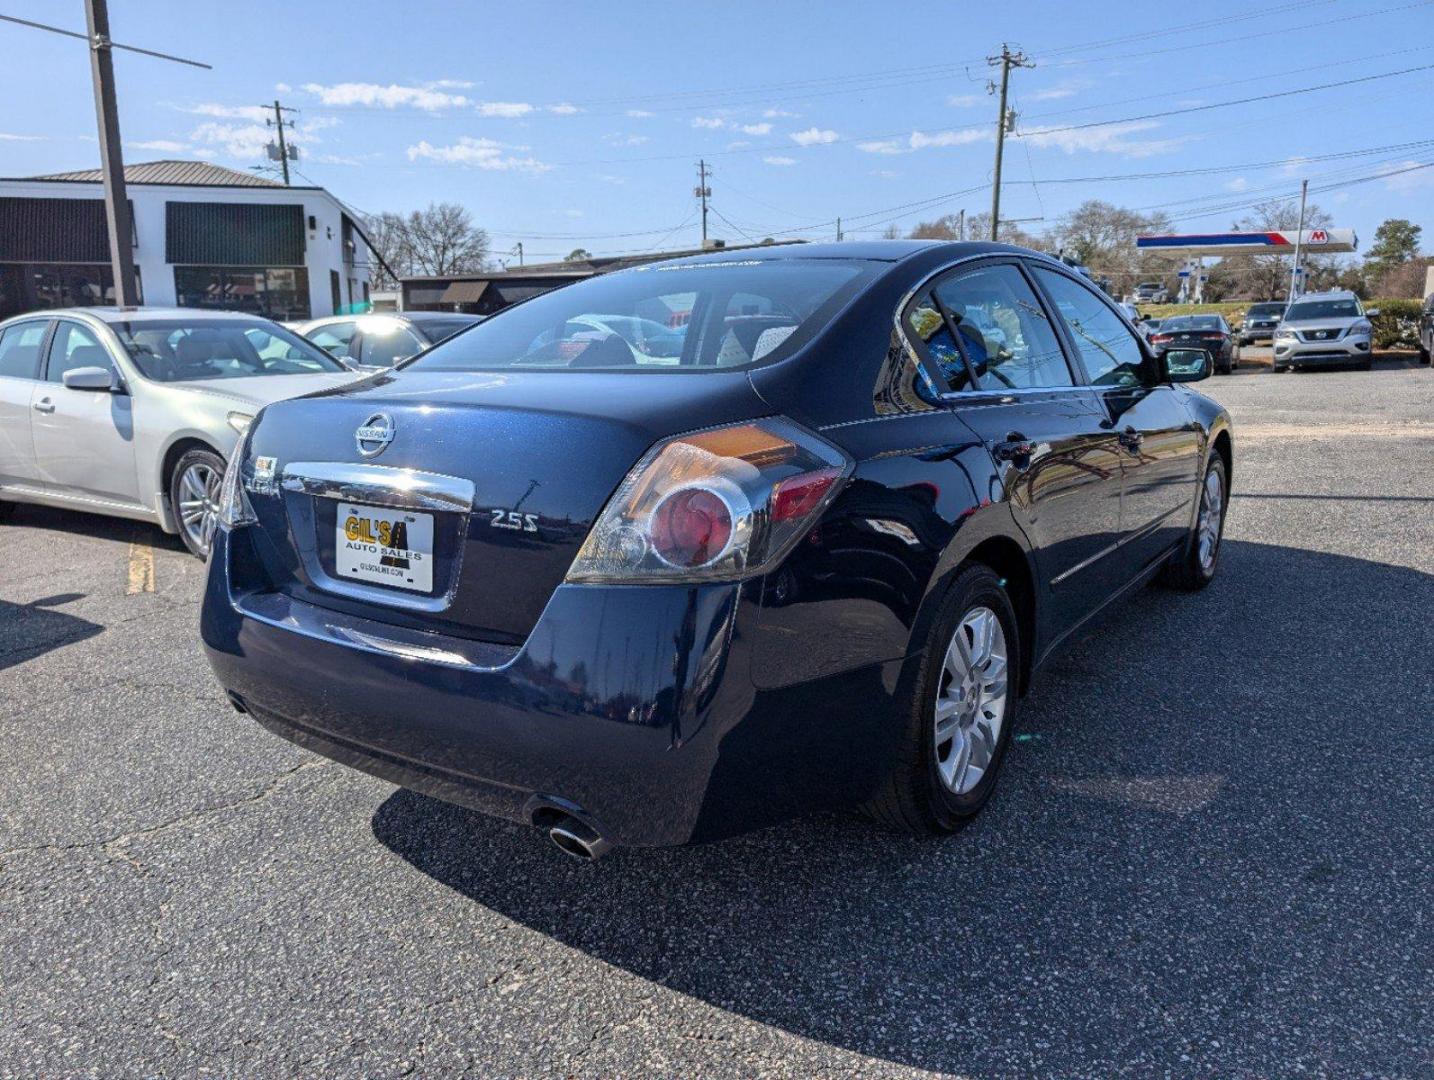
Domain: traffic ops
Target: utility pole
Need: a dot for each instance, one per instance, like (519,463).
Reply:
(1299,240)
(520,253)
(1007,60)
(961,225)
(102,69)
(838,230)
(703,192)
(278,123)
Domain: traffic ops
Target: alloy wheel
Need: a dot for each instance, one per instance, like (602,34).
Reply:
(199,504)
(971,700)
(1212,505)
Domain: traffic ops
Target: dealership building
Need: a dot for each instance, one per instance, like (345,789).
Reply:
(204,236)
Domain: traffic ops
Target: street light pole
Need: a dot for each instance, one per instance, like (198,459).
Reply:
(1299,240)
(102,69)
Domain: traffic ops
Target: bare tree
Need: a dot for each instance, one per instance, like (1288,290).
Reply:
(1102,236)
(1267,277)
(442,239)
(389,237)
(978,227)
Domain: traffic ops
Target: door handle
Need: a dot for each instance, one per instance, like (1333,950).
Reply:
(1131,440)
(1015,447)
(44,405)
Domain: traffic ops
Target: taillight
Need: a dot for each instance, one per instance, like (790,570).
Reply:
(714,505)
(234,508)
(1163,337)
(1213,337)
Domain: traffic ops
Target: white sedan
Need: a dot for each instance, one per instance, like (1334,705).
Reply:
(134,413)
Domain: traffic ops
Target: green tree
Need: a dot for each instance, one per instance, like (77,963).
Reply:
(1395,241)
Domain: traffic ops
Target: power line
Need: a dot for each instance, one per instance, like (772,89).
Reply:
(112,44)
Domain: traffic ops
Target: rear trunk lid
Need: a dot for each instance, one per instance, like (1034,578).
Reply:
(518,466)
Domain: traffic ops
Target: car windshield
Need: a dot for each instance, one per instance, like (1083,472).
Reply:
(1265,309)
(1323,309)
(1192,322)
(181,350)
(664,317)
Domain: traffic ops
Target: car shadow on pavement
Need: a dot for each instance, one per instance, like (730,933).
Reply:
(1205,855)
(98,526)
(33,629)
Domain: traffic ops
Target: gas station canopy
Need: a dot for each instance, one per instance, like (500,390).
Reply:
(1275,242)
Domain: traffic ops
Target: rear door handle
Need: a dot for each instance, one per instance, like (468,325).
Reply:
(1014,447)
(44,405)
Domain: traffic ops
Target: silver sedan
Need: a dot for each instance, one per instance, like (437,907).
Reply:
(134,413)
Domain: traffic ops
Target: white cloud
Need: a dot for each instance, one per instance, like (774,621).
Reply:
(882,146)
(608,178)
(507,110)
(565,108)
(451,84)
(252,113)
(710,122)
(1294,165)
(764,128)
(1111,139)
(478,153)
(1409,178)
(778,159)
(740,144)
(638,114)
(282,88)
(5,137)
(246,141)
(164,146)
(777,114)
(963,101)
(919,140)
(617,139)
(886,174)
(1054,93)
(1237,184)
(392,96)
(814,136)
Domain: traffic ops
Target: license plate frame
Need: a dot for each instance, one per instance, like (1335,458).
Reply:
(371,549)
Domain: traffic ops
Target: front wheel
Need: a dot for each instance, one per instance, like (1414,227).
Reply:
(958,713)
(194,497)
(1194,567)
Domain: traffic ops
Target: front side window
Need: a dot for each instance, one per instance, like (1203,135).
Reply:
(20,349)
(1110,352)
(182,350)
(1004,330)
(665,317)
(75,346)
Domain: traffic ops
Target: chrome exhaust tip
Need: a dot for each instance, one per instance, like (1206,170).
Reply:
(578,840)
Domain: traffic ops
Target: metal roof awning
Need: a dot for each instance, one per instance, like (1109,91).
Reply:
(464,292)
(1273,242)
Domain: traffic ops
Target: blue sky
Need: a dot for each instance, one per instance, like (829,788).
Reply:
(579,124)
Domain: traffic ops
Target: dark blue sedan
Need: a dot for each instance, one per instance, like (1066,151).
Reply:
(805,553)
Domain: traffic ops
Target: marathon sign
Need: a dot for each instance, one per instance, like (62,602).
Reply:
(1273,242)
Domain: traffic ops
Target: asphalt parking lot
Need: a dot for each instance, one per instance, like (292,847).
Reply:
(1210,854)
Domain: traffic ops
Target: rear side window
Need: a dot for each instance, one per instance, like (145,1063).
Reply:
(387,349)
(20,349)
(1004,330)
(1110,352)
(665,317)
(335,339)
(75,346)
(930,328)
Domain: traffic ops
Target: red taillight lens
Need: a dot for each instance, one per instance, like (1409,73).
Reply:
(1213,337)
(802,494)
(1163,337)
(690,528)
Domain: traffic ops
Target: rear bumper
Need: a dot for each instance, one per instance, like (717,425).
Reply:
(631,707)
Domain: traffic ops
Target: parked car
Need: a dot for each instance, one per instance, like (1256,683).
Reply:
(374,342)
(1200,331)
(1426,330)
(811,564)
(1143,323)
(1320,329)
(135,412)
(1151,292)
(1261,321)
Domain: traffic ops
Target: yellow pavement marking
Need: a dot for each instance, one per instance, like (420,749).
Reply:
(141,568)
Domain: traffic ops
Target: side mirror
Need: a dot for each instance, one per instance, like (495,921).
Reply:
(1186,365)
(90,378)
(1371,312)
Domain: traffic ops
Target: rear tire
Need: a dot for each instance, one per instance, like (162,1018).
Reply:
(194,499)
(953,708)
(1194,567)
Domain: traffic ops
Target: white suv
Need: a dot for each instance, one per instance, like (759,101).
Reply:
(1325,328)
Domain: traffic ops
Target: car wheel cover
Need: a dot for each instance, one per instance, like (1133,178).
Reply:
(971,701)
(1207,531)
(199,486)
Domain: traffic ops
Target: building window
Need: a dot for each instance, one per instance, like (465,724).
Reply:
(275,292)
(34,286)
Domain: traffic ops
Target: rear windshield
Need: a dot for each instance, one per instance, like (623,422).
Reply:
(438,329)
(1192,322)
(181,350)
(675,317)
(1323,309)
